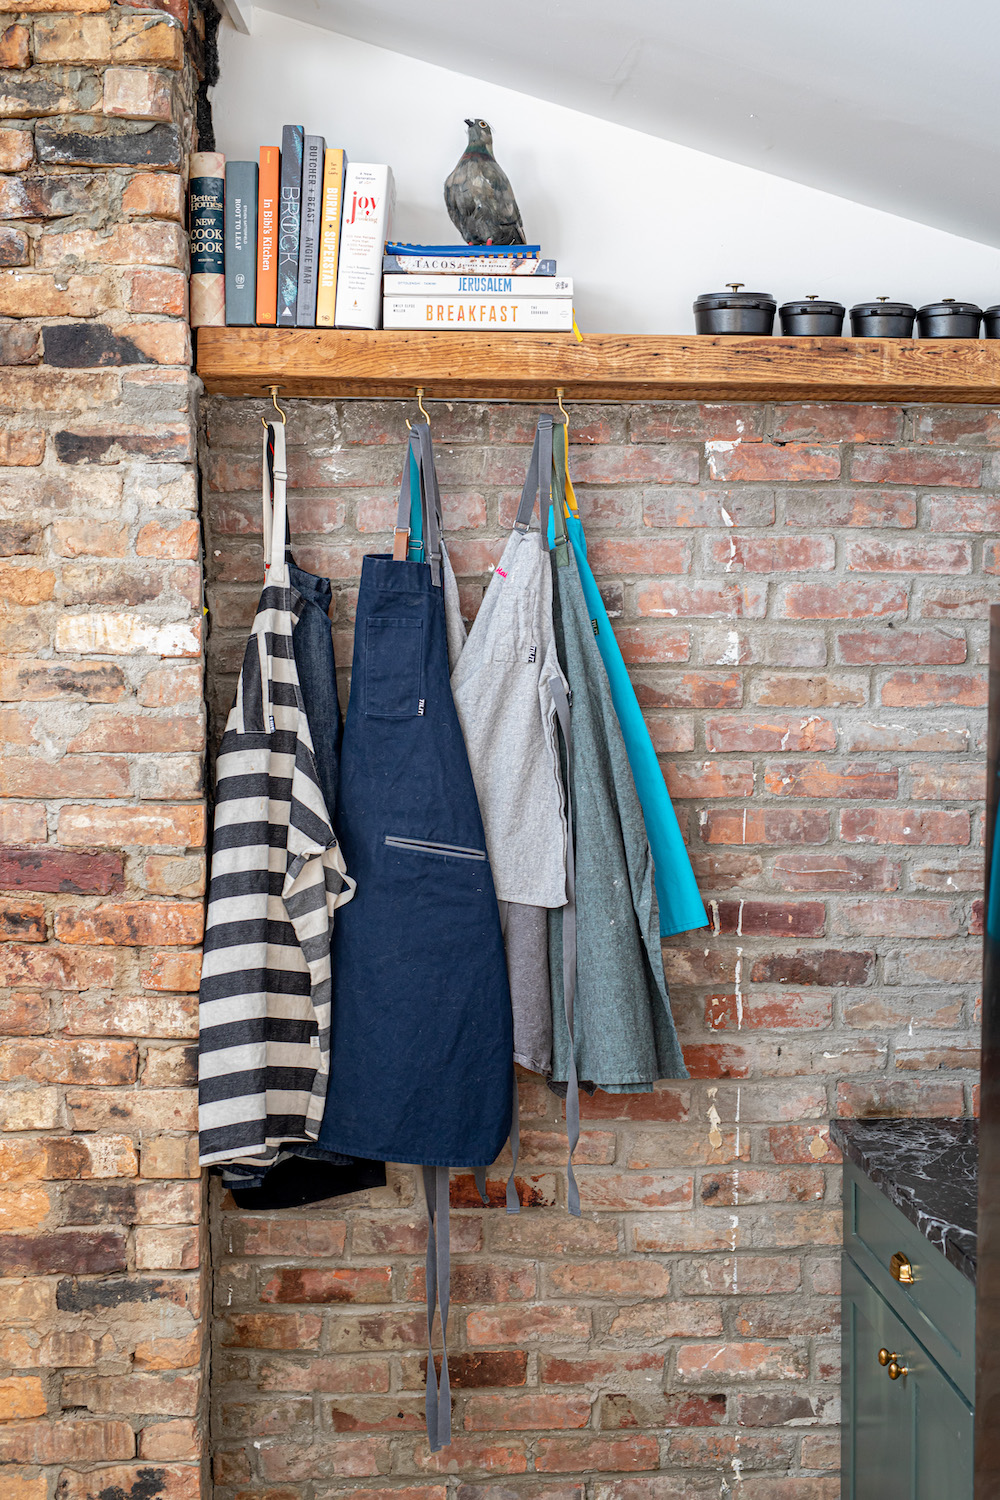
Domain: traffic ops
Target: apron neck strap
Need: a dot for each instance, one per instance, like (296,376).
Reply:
(538,482)
(420,456)
(559,457)
(274,476)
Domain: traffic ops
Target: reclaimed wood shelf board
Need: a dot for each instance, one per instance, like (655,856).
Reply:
(604,367)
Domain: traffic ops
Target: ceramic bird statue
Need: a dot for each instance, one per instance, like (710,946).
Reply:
(478,194)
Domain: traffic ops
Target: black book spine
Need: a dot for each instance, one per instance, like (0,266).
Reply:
(241,243)
(289,223)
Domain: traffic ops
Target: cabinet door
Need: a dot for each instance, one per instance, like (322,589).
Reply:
(905,1439)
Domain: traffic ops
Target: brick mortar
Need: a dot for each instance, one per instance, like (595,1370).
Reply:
(103,1259)
(840,974)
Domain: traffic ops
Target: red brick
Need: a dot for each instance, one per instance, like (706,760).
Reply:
(135,734)
(641,557)
(666,1104)
(796,1143)
(919,647)
(947,781)
(835,872)
(25,680)
(954,425)
(272,1330)
(60,1061)
(88,538)
(537,1191)
(938,1057)
(815,690)
(793,733)
(319,1285)
(660,464)
(654,1322)
(22,921)
(851,599)
(466,1455)
(23,823)
(691,690)
(467,1371)
(885,1099)
(771,825)
(715,1060)
(60,871)
(388,1234)
(781,554)
(818,779)
(73,1252)
(248,1235)
(559,1369)
(957,603)
(172,971)
(751,1273)
(753,1361)
(73,776)
(780,1010)
(66,1441)
(54,968)
(131,923)
(622,1278)
(976,513)
(903,825)
(787,463)
(868,508)
(573,1455)
(931,689)
(642,644)
(534,1413)
(915,466)
(884,737)
(724,872)
(684,599)
(895,917)
(686,1233)
(743,1186)
(716,508)
(768,918)
(710,778)
(161,826)
(840,423)
(908,556)
(659,422)
(23,1014)
(830,966)
(339,1376)
(535,1325)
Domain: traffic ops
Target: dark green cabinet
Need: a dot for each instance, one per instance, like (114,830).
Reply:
(908,1438)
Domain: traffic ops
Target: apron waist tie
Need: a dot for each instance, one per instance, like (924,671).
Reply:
(562,706)
(513,1201)
(438,1399)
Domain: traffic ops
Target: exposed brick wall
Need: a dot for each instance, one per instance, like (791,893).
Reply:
(801,593)
(102,822)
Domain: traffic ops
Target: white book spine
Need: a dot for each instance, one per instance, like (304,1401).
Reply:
(368,204)
(535,287)
(480,314)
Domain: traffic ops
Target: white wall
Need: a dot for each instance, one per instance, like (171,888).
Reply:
(642,225)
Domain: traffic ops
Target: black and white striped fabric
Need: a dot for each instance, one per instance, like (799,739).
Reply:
(277,876)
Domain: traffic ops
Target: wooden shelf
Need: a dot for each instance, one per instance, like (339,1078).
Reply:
(605,367)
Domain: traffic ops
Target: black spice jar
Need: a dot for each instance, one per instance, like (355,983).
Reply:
(734,311)
(949,319)
(991,321)
(812,316)
(882,319)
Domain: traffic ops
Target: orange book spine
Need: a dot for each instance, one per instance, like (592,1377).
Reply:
(267,236)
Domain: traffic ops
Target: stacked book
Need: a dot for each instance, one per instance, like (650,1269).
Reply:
(294,240)
(474,289)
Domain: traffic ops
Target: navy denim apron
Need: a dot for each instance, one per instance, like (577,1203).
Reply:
(421,1067)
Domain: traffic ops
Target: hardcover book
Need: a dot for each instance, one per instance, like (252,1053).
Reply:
(312,199)
(241,243)
(368,204)
(480,314)
(329,236)
(486,252)
(477,286)
(289,223)
(207,235)
(467,265)
(268,189)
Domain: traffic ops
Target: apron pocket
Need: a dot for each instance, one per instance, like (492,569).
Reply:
(393,668)
(424,846)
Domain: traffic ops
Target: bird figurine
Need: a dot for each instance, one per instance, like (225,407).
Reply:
(478,194)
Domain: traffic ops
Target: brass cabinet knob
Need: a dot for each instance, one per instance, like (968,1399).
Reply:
(902,1268)
(884,1357)
(895,1369)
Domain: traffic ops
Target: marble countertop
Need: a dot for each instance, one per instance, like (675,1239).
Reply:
(929,1170)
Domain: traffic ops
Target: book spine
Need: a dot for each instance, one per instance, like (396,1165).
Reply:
(459,265)
(482,252)
(312,198)
(368,204)
(329,239)
(480,314)
(477,286)
(289,223)
(207,233)
(241,242)
(268,189)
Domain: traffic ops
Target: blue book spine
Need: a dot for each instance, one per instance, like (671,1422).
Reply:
(289,223)
(312,209)
(241,243)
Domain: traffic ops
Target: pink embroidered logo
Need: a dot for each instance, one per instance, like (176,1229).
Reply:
(501,572)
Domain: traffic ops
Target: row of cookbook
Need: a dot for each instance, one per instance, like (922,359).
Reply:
(293,240)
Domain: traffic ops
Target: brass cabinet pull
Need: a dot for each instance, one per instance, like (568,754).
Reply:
(895,1370)
(884,1357)
(902,1268)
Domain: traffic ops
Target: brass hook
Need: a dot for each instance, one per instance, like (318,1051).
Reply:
(274,389)
(420,406)
(559,402)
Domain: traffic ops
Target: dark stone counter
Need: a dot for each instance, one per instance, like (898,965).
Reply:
(929,1170)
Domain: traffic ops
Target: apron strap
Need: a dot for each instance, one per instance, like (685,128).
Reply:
(513,1201)
(538,481)
(561,701)
(401,532)
(561,539)
(438,1398)
(274,476)
(431,497)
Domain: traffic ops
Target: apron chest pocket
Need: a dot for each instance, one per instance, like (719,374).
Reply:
(393,668)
